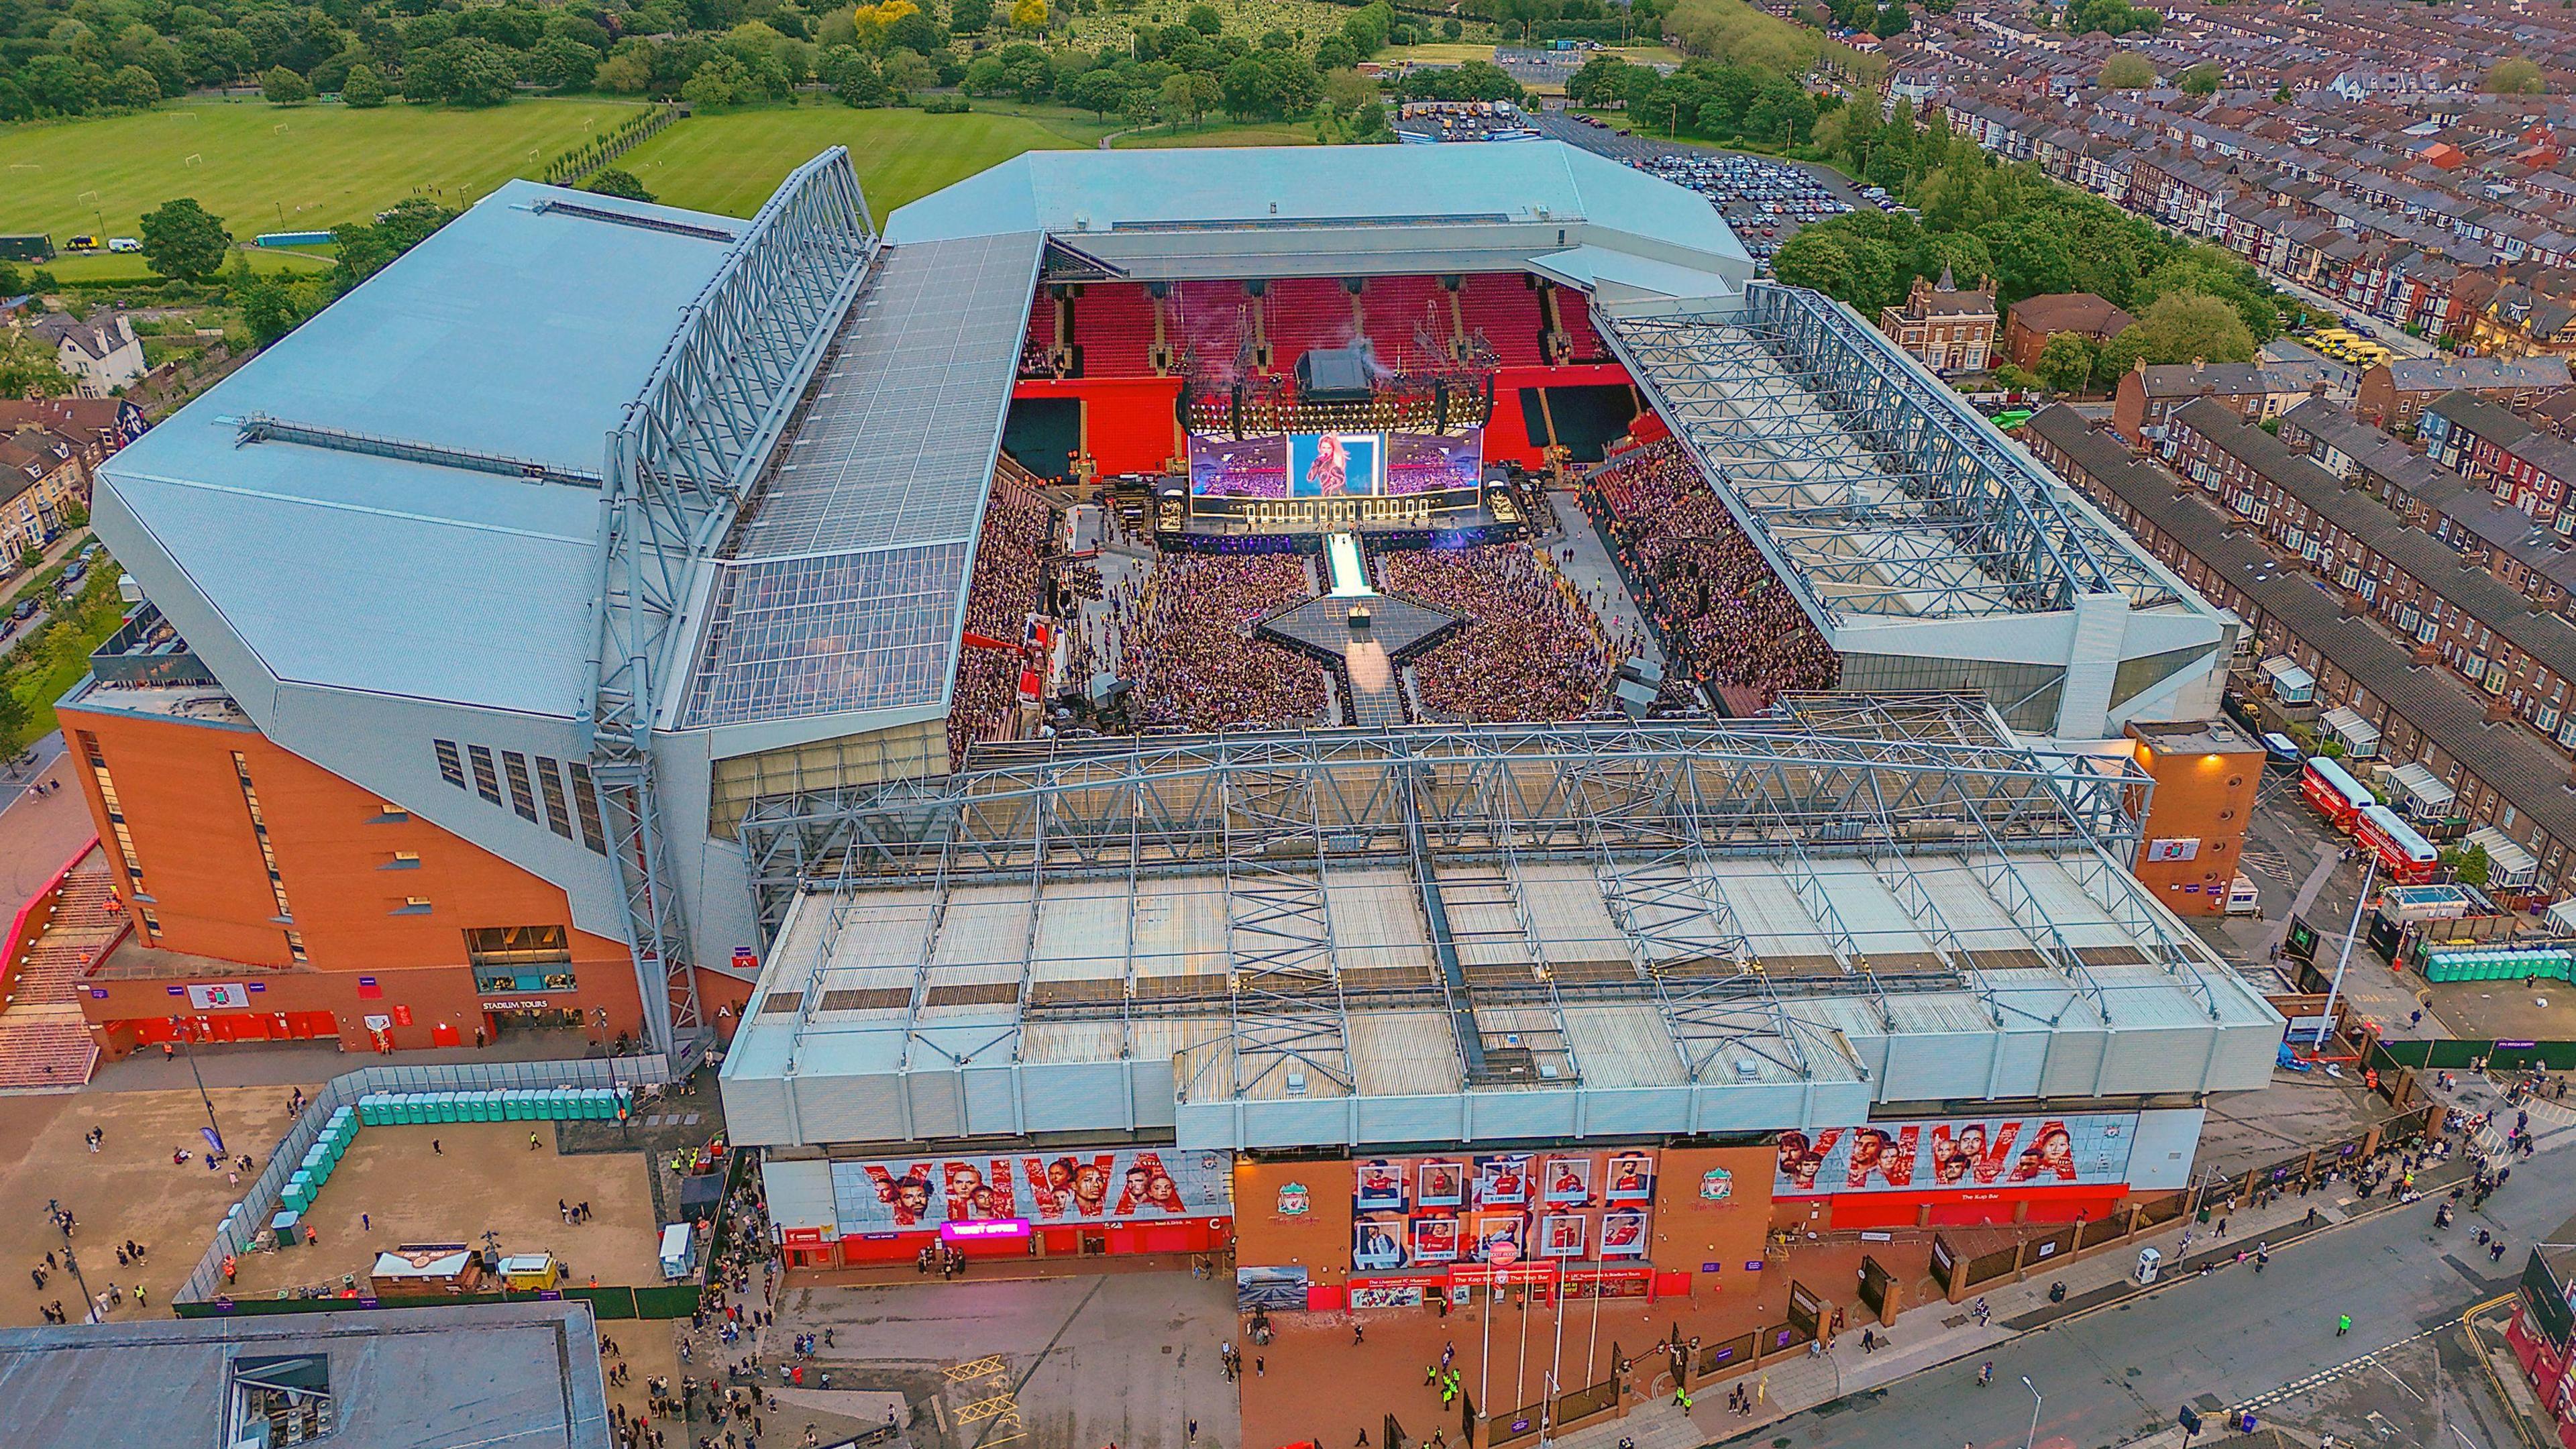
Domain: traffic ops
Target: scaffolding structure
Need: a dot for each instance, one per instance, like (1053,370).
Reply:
(678,467)
(1868,486)
(1488,829)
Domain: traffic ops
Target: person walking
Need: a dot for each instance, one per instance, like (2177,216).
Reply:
(532,1142)
(2343,1324)
(1682,1397)
(435,1150)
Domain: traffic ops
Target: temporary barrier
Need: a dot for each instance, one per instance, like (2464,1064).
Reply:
(398,1091)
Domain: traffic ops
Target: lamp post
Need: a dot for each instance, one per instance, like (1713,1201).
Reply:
(2031,1439)
(188,1037)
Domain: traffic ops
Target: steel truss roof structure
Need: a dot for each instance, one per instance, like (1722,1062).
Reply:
(1869,487)
(1904,800)
(678,468)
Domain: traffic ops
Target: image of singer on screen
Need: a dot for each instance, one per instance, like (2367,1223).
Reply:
(1334,465)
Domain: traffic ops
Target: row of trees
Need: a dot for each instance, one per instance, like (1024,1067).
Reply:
(2033,236)
(1710,99)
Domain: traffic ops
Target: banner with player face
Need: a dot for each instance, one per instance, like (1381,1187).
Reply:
(2033,1149)
(1078,1186)
(1429,1213)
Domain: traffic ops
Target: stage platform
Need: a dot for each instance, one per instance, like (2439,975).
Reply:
(1322,627)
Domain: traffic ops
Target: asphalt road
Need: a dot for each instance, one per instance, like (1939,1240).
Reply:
(2120,1373)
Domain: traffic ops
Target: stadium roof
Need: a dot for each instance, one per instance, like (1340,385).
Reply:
(1872,489)
(510,340)
(846,587)
(1759,924)
(1395,208)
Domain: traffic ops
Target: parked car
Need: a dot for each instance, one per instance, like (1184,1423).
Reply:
(81,243)
(26,608)
(124,244)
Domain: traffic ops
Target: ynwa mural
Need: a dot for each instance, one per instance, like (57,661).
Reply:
(1499,1209)
(2090,1150)
(1070,1187)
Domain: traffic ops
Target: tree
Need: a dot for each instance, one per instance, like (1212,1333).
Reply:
(2181,327)
(183,240)
(1891,22)
(905,72)
(1028,14)
(466,71)
(2476,868)
(717,83)
(1452,28)
(1100,92)
(132,87)
(1335,53)
(970,15)
(613,182)
(2127,72)
(1204,20)
(561,62)
(29,369)
(284,87)
(14,719)
(2065,362)
(364,90)
(1191,93)
(2514,76)
(2202,79)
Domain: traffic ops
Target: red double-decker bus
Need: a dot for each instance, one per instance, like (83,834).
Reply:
(2406,857)
(2334,792)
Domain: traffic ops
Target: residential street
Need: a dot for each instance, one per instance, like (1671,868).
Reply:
(2122,1373)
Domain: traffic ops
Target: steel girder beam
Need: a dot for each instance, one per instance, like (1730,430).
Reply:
(1154,803)
(1869,490)
(679,466)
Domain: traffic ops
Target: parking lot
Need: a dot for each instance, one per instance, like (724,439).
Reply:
(1763,199)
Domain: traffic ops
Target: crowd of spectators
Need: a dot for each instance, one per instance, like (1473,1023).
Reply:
(1531,648)
(1183,636)
(1017,526)
(1725,618)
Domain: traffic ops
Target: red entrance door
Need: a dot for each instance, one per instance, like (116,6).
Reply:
(442,1035)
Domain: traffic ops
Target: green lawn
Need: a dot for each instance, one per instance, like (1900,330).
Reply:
(1223,133)
(730,162)
(272,168)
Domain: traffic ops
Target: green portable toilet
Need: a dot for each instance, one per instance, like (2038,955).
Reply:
(451,1107)
(371,1109)
(558,1104)
(518,1104)
(415,1108)
(603,1104)
(486,1106)
(284,1225)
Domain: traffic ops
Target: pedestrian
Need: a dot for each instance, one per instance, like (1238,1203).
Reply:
(435,1150)
(2343,1324)
(1448,1351)
(311,1238)
(366,1224)
(1357,1336)
(532,1142)
(1682,1397)
(1260,1367)
(1985,1373)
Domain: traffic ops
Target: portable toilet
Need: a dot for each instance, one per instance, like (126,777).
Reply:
(518,1105)
(677,1256)
(487,1106)
(372,1109)
(407,1109)
(285,1224)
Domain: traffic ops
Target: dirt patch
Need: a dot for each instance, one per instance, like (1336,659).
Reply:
(393,1188)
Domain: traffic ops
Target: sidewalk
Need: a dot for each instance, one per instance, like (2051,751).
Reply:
(1935,1333)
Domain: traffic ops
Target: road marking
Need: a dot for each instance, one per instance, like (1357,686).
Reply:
(2364,1363)
(2401,1383)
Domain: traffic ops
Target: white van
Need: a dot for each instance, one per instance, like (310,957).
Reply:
(2242,898)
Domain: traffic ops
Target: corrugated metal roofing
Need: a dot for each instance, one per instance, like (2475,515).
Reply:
(510,332)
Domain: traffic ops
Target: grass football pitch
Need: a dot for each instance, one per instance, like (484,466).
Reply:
(275,168)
